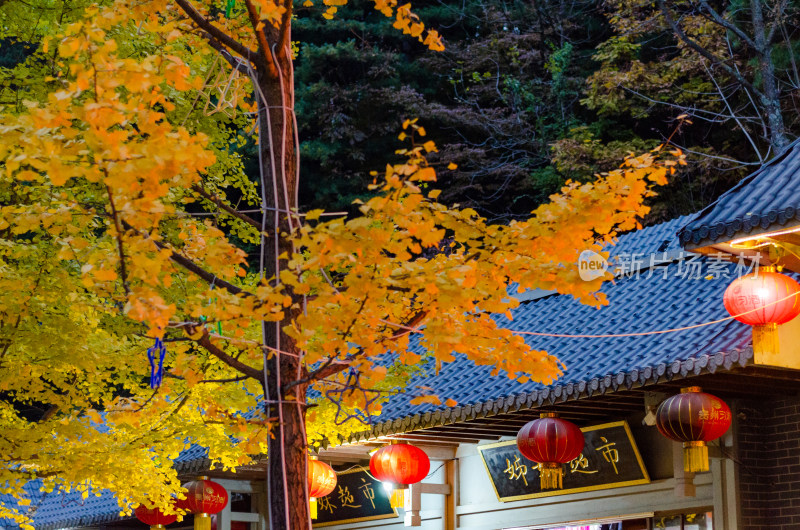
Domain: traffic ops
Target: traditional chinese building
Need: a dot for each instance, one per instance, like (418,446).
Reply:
(669,278)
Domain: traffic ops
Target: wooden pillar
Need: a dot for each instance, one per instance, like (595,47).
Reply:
(684,480)
(451,500)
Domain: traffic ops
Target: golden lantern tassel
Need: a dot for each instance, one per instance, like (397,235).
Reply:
(765,340)
(202,521)
(551,476)
(397,499)
(313,507)
(695,457)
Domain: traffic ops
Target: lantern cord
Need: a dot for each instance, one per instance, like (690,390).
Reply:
(616,335)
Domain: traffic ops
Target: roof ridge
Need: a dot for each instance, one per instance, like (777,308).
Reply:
(556,393)
(689,233)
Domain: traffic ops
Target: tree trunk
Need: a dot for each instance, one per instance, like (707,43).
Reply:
(771,94)
(287,487)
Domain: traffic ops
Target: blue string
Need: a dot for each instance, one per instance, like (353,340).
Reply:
(156,372)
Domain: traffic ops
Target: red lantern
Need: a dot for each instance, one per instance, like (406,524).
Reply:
(203,498)
(763,300)
(694,418)
(321,482)
(153,517)
(399,465)
(551,442)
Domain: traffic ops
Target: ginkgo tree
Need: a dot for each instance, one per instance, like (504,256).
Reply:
(107,254)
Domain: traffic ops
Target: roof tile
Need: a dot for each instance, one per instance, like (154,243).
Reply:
(768,197)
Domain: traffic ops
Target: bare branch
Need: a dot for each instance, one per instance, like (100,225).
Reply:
(733,114)
(214,31)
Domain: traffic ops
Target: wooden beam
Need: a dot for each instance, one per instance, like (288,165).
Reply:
(420,436)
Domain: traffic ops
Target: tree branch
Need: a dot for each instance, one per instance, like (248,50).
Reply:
(237,63)
(123,271)
(263,45)
(214,31)
(231,380)
(216,200)
(284,37)
(733,114)
(777,21)
(247,370)
(727,24)
(196,269)
(330,368)
(702,51)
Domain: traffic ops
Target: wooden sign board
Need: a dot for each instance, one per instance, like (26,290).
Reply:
(357,497)
(610,459)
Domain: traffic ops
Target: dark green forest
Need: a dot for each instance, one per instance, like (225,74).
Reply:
(529,94)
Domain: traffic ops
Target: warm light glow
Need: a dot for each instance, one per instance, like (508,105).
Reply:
(754,239)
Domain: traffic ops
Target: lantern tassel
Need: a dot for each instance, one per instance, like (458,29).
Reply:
(551,476)
(313,507)
(202,521)
(695,457)
(397,499)
(765,340)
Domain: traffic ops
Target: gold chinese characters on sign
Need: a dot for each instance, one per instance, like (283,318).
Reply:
(357,497)
(610,459)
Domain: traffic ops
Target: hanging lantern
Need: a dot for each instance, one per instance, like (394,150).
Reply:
(694,418)
(397,466)
(763,300)
(204,498)
(153,517)
(551,442)
(321,482)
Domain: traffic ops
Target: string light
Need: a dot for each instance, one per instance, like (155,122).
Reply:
(765,235)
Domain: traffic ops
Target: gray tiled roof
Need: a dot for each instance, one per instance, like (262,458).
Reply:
(672,296)
(64,510)
(763,201)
